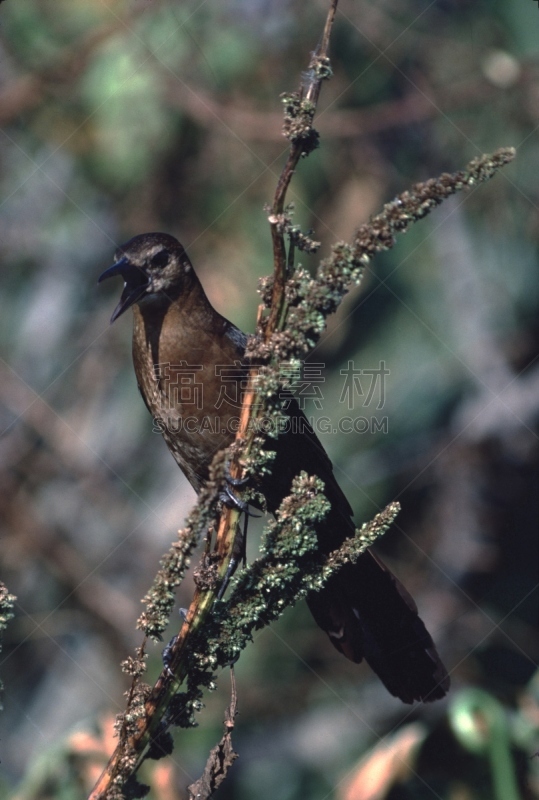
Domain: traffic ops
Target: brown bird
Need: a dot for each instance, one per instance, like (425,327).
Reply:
(190,365)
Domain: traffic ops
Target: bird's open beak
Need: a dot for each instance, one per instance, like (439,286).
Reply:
(135,284)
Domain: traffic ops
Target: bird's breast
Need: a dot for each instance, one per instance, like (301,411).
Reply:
(193,386)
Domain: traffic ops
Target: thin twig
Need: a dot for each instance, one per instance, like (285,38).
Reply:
(297,149)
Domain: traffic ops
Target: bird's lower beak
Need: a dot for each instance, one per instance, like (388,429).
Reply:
(136,282)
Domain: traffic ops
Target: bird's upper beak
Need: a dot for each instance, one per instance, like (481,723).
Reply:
(135,284)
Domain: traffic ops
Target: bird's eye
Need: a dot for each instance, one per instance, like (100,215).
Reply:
(160,259)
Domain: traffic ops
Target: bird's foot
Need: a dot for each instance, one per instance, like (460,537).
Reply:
(167,652)
(230,499)
(167,656)
(239,553)
(231,569)
(233,481)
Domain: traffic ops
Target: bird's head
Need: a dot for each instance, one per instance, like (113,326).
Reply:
(154,267)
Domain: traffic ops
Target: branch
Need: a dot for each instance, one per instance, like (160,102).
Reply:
(312,300)
(300,108)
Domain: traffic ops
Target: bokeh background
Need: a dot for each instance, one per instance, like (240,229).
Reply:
(119,117)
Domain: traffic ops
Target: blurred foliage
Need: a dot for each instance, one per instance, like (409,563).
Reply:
(121,117)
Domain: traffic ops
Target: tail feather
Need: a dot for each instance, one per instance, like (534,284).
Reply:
(367,613)
(365,610)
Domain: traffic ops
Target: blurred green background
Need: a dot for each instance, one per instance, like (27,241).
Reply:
(123,117)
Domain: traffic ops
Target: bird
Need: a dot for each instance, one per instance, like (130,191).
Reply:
(191,367)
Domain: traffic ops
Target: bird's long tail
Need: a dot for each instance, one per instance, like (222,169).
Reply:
(368,613)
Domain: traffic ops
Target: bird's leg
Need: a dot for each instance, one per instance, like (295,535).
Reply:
(230,499)
(167,652)
(234,481)
(238,555)
(167,655)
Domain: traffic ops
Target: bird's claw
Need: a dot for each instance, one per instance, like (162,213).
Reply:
(231,500)
(167,651)
(234,481)
(167,656)
(231,569)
